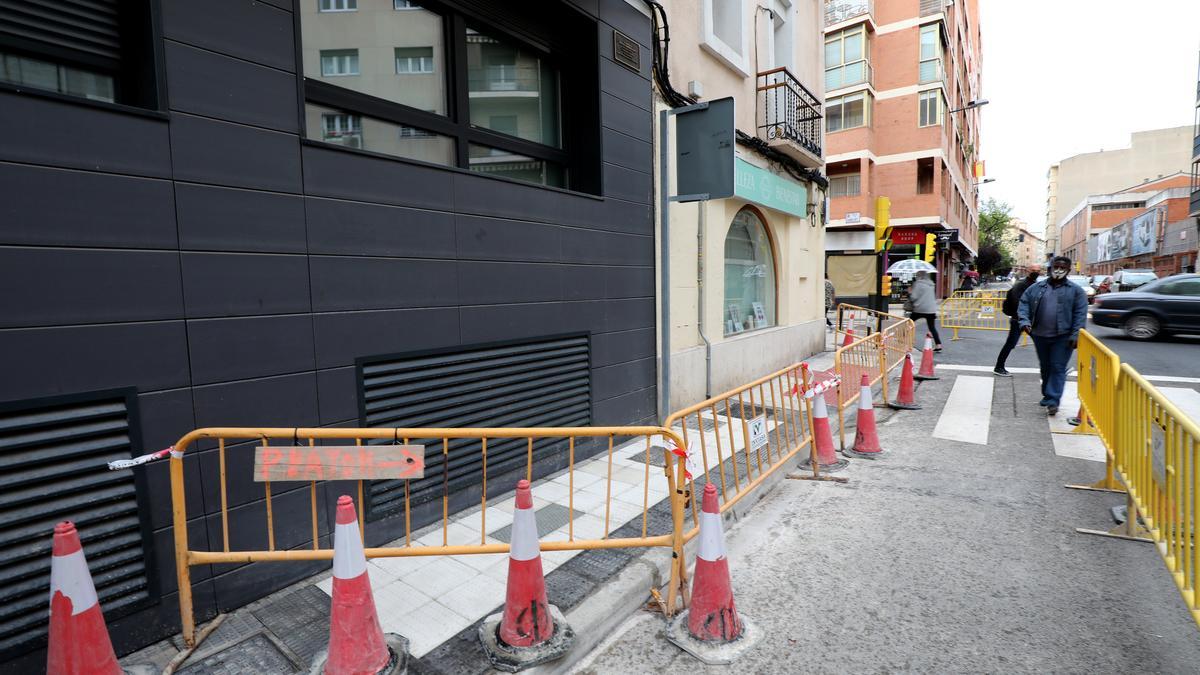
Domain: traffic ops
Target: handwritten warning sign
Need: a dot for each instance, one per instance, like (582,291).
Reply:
(353,462)
(758,432)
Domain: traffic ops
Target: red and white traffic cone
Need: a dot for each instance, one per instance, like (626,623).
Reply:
(827,459)
(530,630)
(849,336)
(79,641)
(866,437)
(357,645)
(711,629)
(906,399)
(926,372)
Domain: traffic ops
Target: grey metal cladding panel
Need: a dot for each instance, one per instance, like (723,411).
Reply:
(230,349)
(622,378)
(345,336)
(493,323)
(627,184)
(43,131)
(482,238)
(625,84)
(610,348)
(50,361)
(352,283)
(583,282)
(165,417)
(606,50)
(627,151)
(101,210)
(606,248)
(629,282)
(213,85)
(233,284)
(281,4)
(626,408)
(54,286)
(489,283)
(625,117)
(240,486)
(619,15)
(349,175)
(337,395)
(49,453)
(232,219)
(339,227)
(223,153)
(589,6)
(629,314)
(242,28)
(484,196)
(284,401)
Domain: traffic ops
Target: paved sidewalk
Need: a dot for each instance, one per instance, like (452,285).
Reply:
(943,556)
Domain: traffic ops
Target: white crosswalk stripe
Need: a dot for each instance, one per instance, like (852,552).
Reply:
(968,412)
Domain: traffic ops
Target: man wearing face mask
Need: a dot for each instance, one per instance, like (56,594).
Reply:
(1053,311)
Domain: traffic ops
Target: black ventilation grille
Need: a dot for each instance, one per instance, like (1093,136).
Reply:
(53,458)
(88,30)
(530,384)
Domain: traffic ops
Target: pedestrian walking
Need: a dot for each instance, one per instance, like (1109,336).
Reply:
(1011,301)
(1053,311)
(970,279)
(922,304)
(830,299)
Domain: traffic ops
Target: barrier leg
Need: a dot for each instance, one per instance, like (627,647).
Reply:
(1107,484)
(1131,530)
(955,336)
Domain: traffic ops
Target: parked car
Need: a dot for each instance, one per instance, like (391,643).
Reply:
(1098,279)
(1083,282)
(1168,305)
(1127,280)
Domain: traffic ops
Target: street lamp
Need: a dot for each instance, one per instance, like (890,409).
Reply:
(968,106)
(985,180)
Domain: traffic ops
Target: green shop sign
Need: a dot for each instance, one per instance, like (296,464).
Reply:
(763,187)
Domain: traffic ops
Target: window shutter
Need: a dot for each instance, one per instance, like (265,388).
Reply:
(83,30)
(530,384)
(53,460)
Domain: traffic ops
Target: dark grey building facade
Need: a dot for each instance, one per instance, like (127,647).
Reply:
(194,233)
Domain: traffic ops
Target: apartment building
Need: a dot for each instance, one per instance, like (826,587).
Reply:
(1029,248)
(747,292)
(298,214)
(1194,206)
(903,89)
(1151,155)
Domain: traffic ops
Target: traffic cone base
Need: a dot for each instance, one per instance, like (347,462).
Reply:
(827,459)
(906,398)
(529,630)
(866,436)
(711,652)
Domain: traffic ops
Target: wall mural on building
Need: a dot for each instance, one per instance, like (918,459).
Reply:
(1144,233)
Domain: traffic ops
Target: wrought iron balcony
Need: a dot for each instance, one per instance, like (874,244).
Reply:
(789,115)
(837,11)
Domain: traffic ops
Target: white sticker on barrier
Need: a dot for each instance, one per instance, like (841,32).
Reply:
(758,432)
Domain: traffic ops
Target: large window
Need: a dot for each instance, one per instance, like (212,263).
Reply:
(847,112)
(847,60)
(100,50)
(486,100)
(931,53)
(930,108)
(849,185)
(749,275)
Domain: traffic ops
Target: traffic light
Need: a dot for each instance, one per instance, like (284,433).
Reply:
(883,228)
(930,247)
(885,285)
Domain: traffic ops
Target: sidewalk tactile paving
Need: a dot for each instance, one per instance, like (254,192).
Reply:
(255,655)
(300,620)
(549,518)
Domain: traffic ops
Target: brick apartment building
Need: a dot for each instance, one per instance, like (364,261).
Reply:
(900,80)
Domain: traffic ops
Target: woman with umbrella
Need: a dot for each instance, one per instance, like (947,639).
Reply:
(922,297)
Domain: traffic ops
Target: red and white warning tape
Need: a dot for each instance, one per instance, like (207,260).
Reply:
(818,388)
(689,464)
(119,464)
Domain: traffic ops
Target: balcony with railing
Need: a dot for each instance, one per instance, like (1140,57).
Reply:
(932,7)
(789,116)
(848,75)
(932,70)
(837,11)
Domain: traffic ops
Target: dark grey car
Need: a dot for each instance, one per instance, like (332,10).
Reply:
(1168,305)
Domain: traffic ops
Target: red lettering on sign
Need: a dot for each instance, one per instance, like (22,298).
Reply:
(348,468)
(366,463)
(315,470)
(270,457)
(294,459)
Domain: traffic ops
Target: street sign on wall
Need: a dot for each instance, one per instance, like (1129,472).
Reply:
(704,144)
(908,235)
(763,187)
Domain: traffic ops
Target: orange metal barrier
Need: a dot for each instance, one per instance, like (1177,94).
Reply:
(437,441)
(1099,369)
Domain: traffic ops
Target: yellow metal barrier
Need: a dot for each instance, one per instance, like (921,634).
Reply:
(865,356)
(865,321)
(1156,451)
(438,441)
(1099,368)
(979,313)
(976,295)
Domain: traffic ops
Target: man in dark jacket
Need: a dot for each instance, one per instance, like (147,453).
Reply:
(1053,311)
(1011,300)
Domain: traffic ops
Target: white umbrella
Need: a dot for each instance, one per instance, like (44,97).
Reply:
(911,266)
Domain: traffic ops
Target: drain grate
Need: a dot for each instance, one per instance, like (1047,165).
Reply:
(300,620)
(252,656)
(549,518)
(706,424)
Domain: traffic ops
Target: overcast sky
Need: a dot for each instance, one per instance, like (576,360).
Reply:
(1071,76)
